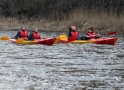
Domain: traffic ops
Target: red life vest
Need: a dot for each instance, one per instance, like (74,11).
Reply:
(23,33)
(74,34)
(91,35)
(35,35)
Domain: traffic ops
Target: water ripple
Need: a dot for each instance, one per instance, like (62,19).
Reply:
(61,66)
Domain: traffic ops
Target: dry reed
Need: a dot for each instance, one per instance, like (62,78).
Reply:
(81,19)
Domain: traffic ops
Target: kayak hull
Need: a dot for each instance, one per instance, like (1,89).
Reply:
(48,41)
(108,41)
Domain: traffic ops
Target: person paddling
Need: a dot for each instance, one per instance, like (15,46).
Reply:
(34,34)
(73,34)
(90,34)
(22,33)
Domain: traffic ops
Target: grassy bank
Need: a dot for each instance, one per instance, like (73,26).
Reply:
(82,20)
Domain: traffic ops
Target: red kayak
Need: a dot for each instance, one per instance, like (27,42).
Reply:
(104,40)
(109,41)
(47,41)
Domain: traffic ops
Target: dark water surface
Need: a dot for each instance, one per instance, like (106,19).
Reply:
(61,66)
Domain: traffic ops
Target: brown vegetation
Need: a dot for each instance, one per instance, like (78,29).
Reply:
(58,15)
(79,18)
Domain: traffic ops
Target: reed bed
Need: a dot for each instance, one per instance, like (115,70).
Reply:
(81,19)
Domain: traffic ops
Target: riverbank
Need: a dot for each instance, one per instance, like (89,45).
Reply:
(82,20)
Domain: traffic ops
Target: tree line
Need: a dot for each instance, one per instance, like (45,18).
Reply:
(56,9)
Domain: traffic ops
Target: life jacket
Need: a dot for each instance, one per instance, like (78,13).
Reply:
(73,36)
(35,35)
(23,33)
(91,35)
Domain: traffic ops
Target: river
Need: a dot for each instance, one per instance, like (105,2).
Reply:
(61,66)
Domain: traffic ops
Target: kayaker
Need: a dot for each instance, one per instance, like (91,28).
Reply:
(73,34)
(90,34)
(22,33)
(34,34)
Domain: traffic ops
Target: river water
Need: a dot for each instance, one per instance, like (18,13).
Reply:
(61,66)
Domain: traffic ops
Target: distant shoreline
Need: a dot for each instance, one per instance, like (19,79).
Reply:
(82,20)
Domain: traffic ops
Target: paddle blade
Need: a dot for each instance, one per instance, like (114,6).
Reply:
(4,38)
(111,33)
(62,37)
(19,40)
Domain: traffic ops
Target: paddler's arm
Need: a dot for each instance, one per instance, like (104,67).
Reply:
(40,37)
(17,35)
(30,36)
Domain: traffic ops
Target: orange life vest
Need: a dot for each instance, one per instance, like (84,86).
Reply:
(35,35)
(23,33)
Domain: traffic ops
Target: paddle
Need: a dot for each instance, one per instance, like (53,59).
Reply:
(4,38)
(111,33)
(61,37)
(19,40)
